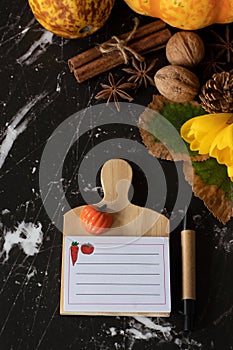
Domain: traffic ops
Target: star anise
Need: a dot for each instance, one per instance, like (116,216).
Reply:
(115,90)
(139,73)
(211,65)
(224,45)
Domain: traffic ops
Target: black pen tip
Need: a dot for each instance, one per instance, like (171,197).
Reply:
(189,314)
(186,333)
(188,324)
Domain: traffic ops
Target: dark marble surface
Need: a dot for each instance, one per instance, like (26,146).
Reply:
(37,94)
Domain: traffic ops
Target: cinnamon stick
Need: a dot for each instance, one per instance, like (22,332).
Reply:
(93,53)
(115,58)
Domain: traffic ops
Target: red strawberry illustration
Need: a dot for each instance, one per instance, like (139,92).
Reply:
(74,252)
(87,248)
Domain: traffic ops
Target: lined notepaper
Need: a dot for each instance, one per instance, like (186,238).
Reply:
(123,274)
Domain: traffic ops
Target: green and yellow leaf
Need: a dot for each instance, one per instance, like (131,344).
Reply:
(175,113)
(211,183)
(209,179)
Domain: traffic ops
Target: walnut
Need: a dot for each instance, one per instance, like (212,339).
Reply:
(177,83)
(185,49)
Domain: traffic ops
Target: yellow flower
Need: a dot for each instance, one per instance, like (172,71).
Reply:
(212,134)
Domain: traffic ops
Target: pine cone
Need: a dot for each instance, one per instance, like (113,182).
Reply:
(217,94)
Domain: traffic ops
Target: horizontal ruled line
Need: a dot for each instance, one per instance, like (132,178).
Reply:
(120,274)
(122,303)
(121,284)
(109,263)
(128,244)
(127,254)
(155,295)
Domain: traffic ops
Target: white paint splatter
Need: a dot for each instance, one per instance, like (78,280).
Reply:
(144,328)
(31,273)
(59,81)
(113,331)
(36,49)
(28,237)
(139,335)
(92,189)
(224,238)
(165,330)
(16,127)
(5,211)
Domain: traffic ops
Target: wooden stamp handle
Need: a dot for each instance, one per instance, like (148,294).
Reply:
(128,219)
(116,178)
(188,264)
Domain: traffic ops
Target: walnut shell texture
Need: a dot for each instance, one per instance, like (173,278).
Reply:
(185,49)
(177,83)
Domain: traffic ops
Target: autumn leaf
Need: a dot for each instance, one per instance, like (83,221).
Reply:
(175,113)
(211,183)
(208,178)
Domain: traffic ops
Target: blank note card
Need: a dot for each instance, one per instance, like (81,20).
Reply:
(116,275)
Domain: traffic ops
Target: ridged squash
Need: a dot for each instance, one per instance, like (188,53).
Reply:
(94,220)
(71,18)
(186,14)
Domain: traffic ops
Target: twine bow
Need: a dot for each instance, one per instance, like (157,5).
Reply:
(121,45)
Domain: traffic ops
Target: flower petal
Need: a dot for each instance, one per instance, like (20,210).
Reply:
(224,138)
(222,146)
(201,131)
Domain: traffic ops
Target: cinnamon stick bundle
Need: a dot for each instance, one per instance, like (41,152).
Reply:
(92,62)
(93,53)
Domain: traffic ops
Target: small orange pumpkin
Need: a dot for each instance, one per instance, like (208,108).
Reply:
(71,18)
(95,221)
(186,14)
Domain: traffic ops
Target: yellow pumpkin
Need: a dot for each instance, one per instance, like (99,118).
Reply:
(186,14)
(71,18)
